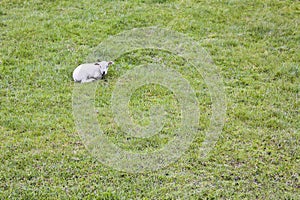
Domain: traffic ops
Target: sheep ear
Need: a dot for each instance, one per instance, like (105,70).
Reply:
(110,62)
(97,64)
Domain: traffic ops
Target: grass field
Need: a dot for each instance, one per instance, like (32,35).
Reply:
(256,46)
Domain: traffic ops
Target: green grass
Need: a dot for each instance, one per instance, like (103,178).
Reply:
(254,43)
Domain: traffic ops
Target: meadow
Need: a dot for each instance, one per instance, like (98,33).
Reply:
(256,47)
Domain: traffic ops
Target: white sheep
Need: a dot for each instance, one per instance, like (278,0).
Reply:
(89,72)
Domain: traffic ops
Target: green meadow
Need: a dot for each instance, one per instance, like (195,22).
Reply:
(256,47)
